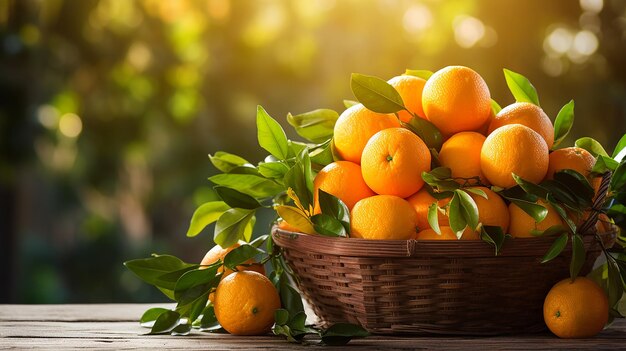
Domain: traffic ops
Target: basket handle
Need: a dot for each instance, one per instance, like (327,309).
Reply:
(597,205)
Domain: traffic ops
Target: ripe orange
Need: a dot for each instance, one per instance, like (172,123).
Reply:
(344,180)
(383,217)
(420,201)
(393,161)
(461,153)
(218,253)
(574,158)
(515,149)
(578,309)
(456,99)
(522,224)
(410,89)
(355,127)
(525,113)
(446,234)
(245,303)
(492,211)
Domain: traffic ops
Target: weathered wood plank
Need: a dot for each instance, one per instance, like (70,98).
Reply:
(70,313)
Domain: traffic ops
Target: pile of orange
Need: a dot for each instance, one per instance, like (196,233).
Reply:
(379,176)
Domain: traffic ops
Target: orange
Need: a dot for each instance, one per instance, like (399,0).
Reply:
(410,89)
(456,99)
(484,129)
(574,158)
(420,201)
(245,303)
(383,217)
(344,180)
(522,224)
(282,224)
(525,113)
(218,253)
(578,309)
(446,234)
(393,161)
(355,127)
(514,149)
(492,211)
(461,153)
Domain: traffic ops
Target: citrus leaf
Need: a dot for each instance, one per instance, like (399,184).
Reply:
(165,323)
(251,184)
(604,164)
(274,170)
(433,218)
(328,225)
(225,161)
(552,231)
(563,123)
(181,330)
(577,184)
(495,107)
(204,215)
(150,316)
(616,286)
(150,269)
(530,187)
(231,225)
(476,191)
(618,180)
(456,217)
(621,146)
(236,199)
(296,218)
(591,145)
(323,155)
(578,256)
(556,248)
(209,321)
(469,208)
(281,316)
(536,211)
(426,131)
(316,126)
(521,88)
(494,236)
(240,255)
(562,213)
(376,94)
(333,206)
(562,194)
(196,283)
(420,73)
(341,333)
(349,103)
(271,135)
(289,297)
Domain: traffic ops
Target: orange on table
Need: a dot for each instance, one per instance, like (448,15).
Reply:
(517,149)
(525,113)
(521,223)
(420,201)
(456,99)
(446,234)
(393,161)
(492,211)
(383,217)
(342,179)
(461,153)
(245,303)
(218,253)
(578,309)
(574,158)
(355,127)
(410,89)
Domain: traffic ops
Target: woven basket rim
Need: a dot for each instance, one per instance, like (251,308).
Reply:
(357,247)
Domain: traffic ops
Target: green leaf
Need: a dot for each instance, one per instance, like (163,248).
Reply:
(236,199)
(530,187)
(150,316)
(274,170)
(296,147)
(495,107)
(469,209)
(165,323)
(271,135)
(616,286)
(433,218)
(333,206)
(426,131)
(349,103)
(551,231)
(420,73)
(150,269)
(563,123)
(521,88)
(181,330)
(281,316)
(295,217)
(328,226)
(341,333)
(441,173)
(316,126)
(209,321)
(300,179)
(168,280)
(494,236)
(556,248)
(562,194)
(578,256)
(376,94)
(204,215)
(618,181)
(604,164)
(323,155)
(290,298)
(240,255)
(562,213)
(225,161)
(589,144)
(231,225)
(476,191)
(621,145)
(253,185)
(536,211)
(456,216)
(196,283)
(577,184)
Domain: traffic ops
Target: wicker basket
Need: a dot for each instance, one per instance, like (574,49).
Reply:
(431,287)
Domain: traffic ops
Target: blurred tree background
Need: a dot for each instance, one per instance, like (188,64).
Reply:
(109,108)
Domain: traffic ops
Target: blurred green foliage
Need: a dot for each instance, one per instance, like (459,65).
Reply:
(109,108)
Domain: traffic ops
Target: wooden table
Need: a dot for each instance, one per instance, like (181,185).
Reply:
(115,326)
